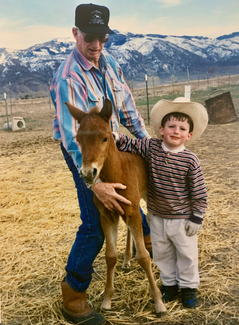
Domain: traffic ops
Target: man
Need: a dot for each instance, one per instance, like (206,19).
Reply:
(85,79)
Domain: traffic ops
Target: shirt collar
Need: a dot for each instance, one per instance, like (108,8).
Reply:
(86,64)
(181,148)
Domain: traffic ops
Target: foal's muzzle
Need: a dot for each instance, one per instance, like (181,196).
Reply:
(90,175)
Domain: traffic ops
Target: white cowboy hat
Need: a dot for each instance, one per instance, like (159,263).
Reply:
(196,111)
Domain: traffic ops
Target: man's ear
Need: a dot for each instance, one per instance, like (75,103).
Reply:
(74,31)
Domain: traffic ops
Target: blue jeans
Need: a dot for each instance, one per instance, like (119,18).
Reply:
(90,237)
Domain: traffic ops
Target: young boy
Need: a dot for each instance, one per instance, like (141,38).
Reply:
(177,197)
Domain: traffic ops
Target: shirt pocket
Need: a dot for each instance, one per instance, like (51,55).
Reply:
(117,91)
(94,100)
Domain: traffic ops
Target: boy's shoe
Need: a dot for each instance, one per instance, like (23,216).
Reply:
(169,293)
(189,297)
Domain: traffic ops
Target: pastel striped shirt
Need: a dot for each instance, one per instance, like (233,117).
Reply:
(78,82)
(176,182)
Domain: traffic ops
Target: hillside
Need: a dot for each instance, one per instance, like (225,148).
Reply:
(30,71)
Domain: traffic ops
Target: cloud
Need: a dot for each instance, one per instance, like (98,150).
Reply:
(15,36)
(133,24)
(170,2)
(127,24)
(168,25)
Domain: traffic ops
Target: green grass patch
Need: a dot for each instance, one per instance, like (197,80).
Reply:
(198,96)
(153,100)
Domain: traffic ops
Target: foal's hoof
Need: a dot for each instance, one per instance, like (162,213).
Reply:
(161,314)
(126,269)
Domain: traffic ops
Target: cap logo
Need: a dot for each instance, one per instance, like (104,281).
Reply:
(96,19)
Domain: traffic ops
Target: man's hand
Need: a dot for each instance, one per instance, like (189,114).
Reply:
(109,197)
(192,228)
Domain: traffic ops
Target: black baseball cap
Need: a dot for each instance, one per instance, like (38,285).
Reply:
(93,19)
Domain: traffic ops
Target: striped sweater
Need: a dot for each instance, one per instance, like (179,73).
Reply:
(176,184)
(78,82)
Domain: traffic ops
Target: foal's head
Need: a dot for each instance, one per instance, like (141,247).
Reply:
(93,135)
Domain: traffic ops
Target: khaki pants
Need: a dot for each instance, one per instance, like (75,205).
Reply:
(175,253)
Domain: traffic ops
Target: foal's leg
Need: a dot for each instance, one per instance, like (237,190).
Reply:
(143,258)
(110,228)
(128,252)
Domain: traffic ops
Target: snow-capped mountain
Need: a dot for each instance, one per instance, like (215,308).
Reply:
(31,70)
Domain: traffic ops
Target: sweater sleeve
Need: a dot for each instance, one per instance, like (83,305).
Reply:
(136,146)
(198,191)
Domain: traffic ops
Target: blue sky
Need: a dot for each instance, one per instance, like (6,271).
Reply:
(24,23)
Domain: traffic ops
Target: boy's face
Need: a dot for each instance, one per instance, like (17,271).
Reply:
(175,133)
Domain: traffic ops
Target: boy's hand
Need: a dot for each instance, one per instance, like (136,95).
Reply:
(192,228)
(116,136)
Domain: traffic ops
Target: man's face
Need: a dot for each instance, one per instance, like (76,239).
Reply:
(90,50)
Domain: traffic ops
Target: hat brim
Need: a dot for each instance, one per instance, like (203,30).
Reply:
(196,111)
(96,30)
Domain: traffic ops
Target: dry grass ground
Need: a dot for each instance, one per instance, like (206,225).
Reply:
(39,218)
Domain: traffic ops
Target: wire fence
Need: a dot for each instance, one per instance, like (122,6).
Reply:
(146,93)
(195,90)
(156,88)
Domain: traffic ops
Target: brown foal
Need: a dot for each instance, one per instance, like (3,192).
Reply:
(101,159)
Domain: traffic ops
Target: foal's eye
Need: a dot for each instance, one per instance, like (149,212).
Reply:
(105,140)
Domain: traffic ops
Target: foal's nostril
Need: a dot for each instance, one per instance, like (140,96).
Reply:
(94,172)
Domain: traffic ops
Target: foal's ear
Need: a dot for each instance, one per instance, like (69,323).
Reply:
(106,111)
(75,112)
